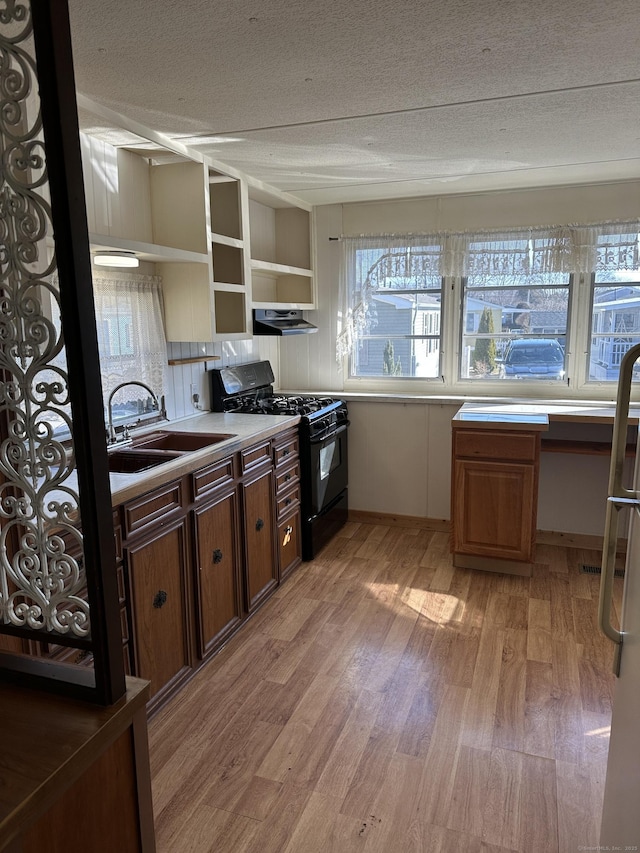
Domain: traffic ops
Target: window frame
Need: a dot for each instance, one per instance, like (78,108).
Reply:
(575,385)
(372,380)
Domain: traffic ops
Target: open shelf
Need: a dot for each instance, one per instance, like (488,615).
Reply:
(230,313)
(270,289)
(144,251)
(186,290)
(228,264)
(281,262)
(225,204)
(178,210)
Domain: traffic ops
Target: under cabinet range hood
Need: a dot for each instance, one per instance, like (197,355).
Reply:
(280,321)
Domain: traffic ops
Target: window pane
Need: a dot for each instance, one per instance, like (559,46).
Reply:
(403,292)
(400,357)
(530,310)
(615,322)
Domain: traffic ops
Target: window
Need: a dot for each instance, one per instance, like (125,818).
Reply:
(615,303)
(131,341)
(522,306)
(398,291)
(131,338)
(506,298)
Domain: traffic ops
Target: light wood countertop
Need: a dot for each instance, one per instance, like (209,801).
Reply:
(244,429)
(536,416)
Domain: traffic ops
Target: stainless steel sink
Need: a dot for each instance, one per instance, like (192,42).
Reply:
(182,442)
(129,460)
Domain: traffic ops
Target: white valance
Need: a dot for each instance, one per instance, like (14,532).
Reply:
(374,261)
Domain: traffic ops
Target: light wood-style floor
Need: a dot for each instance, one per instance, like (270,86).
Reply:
(385,702)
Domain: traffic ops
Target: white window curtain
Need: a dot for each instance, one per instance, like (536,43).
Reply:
(367,262)
(608,247)
(551,249)
(131,338)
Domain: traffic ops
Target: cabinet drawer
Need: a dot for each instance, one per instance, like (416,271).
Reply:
(286,477)
(148,510)
(212,477)
(287,501)
(285,451)
(255,456)
(498,444)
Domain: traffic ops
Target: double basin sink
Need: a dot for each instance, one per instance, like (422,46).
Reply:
(153,449)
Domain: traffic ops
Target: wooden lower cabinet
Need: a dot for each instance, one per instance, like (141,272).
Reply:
(494,498)
(261,566)
(203,552)
(493,510)
(218,581)
(158,577)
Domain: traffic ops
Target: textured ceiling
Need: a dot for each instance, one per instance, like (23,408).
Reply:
(361,100)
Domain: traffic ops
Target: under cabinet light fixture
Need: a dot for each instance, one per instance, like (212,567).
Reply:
(116,259)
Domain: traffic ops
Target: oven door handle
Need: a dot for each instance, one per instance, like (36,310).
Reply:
(331,433)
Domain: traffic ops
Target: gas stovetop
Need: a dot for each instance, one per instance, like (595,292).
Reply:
(248,389)
(265,402)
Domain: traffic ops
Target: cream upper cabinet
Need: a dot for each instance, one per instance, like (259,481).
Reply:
(281,251)
(222,243)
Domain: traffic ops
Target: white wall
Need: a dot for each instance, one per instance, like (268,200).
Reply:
(400,453)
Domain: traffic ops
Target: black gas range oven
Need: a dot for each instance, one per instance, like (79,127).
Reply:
(248,389)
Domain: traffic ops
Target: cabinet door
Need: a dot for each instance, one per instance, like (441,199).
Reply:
(218,581)
(158,579)
(494,509)
(260,563)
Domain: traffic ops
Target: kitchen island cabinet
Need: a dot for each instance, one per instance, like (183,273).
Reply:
(494,498)
(497,453)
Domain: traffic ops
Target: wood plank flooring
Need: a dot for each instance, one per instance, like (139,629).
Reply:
(385,701)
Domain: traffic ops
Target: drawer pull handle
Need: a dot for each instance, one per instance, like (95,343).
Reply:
(217,556)
(287,502)
(287,477)
(287,535)
(259,524)
(159,599)
(286,451)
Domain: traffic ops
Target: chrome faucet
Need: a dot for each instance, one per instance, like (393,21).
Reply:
(160,406)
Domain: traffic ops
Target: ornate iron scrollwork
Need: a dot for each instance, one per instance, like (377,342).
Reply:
(40,541)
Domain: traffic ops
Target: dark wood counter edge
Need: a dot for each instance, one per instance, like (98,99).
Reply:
(106,724)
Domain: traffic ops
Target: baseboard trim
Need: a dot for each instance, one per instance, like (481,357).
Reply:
(443,525)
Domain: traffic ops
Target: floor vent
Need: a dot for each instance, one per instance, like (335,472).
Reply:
(597,570)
